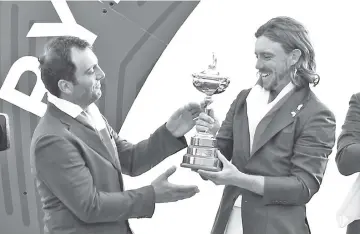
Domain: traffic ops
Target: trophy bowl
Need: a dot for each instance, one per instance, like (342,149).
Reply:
(202,150)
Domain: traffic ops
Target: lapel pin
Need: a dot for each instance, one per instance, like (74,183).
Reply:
(293,113)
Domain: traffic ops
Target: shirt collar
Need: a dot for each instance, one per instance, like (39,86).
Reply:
(75,110)
(68,107)
(284,90)
(290,86)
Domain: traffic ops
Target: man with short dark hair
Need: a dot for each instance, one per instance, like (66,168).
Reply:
(278,136)
(78,159)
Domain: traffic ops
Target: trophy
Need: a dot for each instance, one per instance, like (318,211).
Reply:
(202,150)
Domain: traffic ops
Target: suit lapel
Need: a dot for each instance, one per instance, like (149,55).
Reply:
(241,127)
(92,139)
(85,132)
(244,131)
(278,117)
(111,146)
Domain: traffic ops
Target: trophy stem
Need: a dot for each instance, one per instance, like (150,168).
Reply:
(208,100)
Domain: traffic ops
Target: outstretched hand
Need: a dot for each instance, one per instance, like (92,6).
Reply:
(183,119)
(168,192)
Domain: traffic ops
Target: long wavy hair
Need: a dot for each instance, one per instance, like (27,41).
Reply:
(293,35)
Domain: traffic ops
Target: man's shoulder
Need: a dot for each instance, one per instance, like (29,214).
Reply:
(316,106)
(356,96)
(47,125)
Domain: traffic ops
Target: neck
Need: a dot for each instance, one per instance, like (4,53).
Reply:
(275,92)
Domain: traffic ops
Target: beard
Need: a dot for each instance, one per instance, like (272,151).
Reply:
(272,80)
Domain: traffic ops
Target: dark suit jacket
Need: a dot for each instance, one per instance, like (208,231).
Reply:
(80,181)
(348,148)
(290,152)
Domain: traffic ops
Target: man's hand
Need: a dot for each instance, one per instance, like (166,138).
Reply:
(182,121)
(227,176)
(207,123)
(230,175)
(168,192)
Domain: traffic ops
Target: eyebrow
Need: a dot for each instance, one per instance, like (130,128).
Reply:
(263,52)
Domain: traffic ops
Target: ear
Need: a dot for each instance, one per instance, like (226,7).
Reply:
(295,56)
(65,86)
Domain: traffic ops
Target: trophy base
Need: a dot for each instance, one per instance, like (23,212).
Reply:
(201,163)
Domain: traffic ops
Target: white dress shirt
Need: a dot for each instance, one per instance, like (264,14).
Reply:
(75,110)
(258,106)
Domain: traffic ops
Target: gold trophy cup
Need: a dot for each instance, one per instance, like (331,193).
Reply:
(202,151)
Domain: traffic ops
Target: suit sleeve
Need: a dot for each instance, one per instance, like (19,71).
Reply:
(309,160)
(136,159)
(60,166)
(224,137)
(348,145)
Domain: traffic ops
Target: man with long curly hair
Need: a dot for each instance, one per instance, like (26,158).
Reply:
(275,140)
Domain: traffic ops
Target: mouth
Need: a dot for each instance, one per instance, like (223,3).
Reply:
(97,86)
(264,74)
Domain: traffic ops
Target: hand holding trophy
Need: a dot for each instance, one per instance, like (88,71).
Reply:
(202,151)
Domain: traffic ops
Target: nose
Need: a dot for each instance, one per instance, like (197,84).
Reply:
(259,64)
(100,74)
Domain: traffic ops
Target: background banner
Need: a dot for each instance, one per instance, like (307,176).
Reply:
(128,38)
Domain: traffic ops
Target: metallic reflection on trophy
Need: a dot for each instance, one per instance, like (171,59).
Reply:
(202,151)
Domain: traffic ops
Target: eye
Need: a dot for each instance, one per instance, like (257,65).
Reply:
(91,71)
(267,56)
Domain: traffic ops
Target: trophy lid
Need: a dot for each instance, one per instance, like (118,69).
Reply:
(211,73)
(210,81)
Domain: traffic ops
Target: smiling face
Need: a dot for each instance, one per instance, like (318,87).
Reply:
(273,63)
(88,76)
